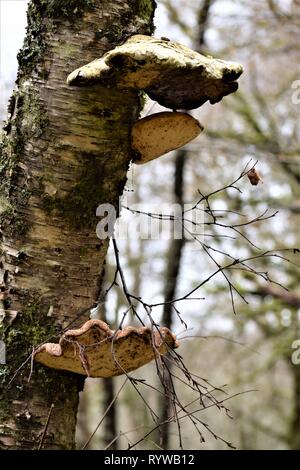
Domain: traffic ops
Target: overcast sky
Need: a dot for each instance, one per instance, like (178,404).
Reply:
(12,30)
(13,22)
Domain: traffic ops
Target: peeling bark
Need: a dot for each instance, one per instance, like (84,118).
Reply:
(64,151)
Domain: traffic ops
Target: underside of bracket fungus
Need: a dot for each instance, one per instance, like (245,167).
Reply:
(96,351)
(160,133)
(170,73)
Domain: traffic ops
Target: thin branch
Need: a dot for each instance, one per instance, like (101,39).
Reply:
(105,413)
(46,427)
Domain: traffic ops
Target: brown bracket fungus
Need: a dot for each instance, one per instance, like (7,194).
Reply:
(160,133)
(170,73)
(96,351)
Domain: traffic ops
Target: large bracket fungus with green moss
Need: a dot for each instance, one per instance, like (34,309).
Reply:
(96,351)
(170,73)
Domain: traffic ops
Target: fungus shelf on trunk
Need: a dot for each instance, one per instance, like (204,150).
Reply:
(160,133)
(171,74)
(96,351)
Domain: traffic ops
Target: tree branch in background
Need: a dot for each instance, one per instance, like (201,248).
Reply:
(175,253)
(175,17)
(108,402)
(288,298)
(202,21)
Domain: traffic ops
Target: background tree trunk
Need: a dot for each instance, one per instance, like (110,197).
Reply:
(107,388)
(175,252)
(64,151)
(294,435)
(172,273)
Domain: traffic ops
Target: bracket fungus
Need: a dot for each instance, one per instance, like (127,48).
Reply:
(170,73)
(160,133)
(96,351)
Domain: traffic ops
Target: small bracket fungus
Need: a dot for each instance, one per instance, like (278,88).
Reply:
(160,133)
(172,74)
(96,351)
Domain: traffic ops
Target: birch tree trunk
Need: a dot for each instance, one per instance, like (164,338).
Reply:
(64,151)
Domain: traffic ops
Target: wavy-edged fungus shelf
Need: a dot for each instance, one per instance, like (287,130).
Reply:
(160,133)
(170,73)
(96,351)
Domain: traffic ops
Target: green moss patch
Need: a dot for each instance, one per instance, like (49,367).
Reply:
(30,122)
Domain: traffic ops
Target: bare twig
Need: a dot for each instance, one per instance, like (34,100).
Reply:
(105,413)
(46,427)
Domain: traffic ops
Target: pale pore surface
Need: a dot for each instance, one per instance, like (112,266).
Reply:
(160,133)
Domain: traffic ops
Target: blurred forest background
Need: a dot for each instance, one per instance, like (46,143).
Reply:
(248,350)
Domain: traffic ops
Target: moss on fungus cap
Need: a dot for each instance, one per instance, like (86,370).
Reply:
(170,73)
